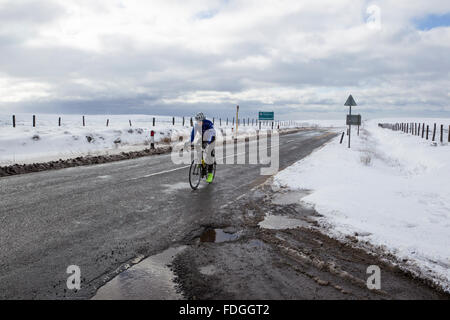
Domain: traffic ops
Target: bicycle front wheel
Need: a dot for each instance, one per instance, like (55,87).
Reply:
(195,175)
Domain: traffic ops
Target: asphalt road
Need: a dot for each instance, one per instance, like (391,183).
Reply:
(101,217)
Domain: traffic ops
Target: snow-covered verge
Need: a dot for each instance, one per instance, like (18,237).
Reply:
(47,141)
(390,189)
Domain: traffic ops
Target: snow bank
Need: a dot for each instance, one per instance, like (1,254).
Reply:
(48,141)
(392,189)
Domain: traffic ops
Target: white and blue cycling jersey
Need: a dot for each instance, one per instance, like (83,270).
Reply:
(208,132)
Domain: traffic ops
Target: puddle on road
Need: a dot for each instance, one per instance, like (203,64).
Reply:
(218,235)
(291,197)
(281,222)
(151,279)
(208,270)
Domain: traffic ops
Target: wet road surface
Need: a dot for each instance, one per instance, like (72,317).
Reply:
(104,217)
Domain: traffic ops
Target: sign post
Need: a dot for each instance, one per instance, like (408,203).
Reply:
(350,102)
(237,119)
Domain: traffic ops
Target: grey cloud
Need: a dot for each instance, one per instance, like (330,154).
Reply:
(29,11)
(124,71)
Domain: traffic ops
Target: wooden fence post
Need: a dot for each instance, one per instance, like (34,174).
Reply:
(423,129)
(434,132)
(442,133)
(449,133)
(14,120)
(130,122)
(34,120)
(183,121)
(107,122)
(59,122)
(173,120)
(84,123)
(227,122)
(154,121)
(428,129)
(192,122)
(342,137)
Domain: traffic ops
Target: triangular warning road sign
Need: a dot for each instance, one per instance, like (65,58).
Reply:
(350,102)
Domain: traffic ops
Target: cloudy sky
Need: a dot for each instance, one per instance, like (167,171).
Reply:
(299,58)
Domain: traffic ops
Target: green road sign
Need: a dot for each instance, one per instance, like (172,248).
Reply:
(266,115)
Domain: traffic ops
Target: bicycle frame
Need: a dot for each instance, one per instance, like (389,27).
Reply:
(200,170)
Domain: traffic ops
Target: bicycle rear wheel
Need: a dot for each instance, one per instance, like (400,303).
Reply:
(195,175)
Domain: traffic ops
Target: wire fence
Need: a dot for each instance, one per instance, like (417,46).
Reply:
(434,132)
(148,121)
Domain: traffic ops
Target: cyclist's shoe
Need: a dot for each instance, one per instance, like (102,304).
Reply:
(210,177)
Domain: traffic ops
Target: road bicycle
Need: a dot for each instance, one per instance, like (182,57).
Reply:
(197,172)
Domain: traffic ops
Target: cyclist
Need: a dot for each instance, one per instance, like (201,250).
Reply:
(206,129)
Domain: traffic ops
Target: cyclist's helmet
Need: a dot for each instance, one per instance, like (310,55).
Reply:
(200,116)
